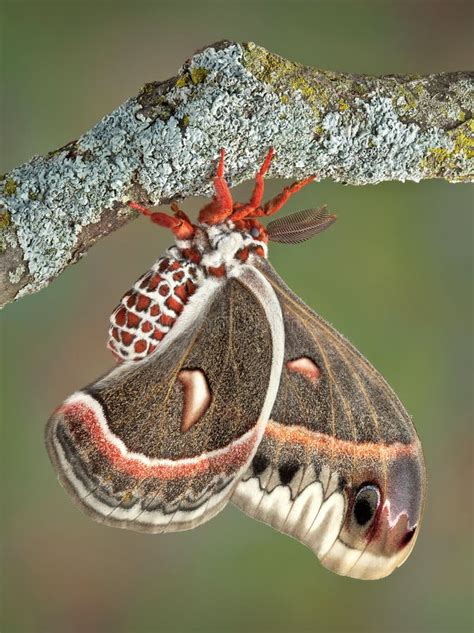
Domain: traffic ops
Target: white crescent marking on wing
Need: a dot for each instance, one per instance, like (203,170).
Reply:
(196,396)
(306,367)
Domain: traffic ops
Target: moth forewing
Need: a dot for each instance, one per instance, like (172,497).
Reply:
(120,446)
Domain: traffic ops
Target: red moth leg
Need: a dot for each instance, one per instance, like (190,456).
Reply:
(221,205)
(150,309)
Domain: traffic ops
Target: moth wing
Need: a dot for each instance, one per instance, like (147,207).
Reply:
(340,466)
(159,444)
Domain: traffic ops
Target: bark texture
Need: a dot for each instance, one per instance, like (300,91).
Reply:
(162,145)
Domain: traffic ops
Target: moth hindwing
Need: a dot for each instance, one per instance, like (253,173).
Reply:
(340,467)
(229,386)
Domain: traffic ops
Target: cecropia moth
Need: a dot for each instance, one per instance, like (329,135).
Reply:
(228,387)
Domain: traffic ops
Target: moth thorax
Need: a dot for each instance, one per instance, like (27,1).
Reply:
(223,247)
(230,247)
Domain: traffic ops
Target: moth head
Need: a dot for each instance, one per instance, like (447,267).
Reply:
(225,245)
(383,512)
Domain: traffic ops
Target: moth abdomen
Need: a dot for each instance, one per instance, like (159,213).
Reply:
(149,310)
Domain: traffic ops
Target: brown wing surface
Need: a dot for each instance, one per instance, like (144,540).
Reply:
(159,444)
(340,466)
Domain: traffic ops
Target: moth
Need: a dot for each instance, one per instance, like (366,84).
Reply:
(229,388)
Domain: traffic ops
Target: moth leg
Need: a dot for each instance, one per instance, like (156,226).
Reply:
(243,210)
(276,203)
(257,193)
(179,213)
(221,205)
(181,227)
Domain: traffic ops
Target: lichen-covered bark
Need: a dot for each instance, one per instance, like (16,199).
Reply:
(162,145)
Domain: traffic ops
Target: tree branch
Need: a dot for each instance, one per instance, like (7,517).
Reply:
(163,144)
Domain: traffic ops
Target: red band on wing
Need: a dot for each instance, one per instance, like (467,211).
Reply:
(234,456)
(330,445)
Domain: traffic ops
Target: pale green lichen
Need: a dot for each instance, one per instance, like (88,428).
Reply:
(405,99)
(15,275)
(343,105)
(181,81)
(427,102)
(4,220)
(280,73)
(147,89)
(414,98)
(198,74)
(195,75)
(315,94)
(34,195)
(440,160)
(411,112)
(7,238)
(161,100)
(10,186)
(266,66)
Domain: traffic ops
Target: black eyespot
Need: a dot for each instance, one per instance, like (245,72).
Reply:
(342,483)
(287,472)
(254,232)
(366,503)
(259,463)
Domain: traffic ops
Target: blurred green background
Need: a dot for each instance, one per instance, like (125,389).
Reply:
(394,275)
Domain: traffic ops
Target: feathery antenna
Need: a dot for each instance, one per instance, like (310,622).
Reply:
(300,226)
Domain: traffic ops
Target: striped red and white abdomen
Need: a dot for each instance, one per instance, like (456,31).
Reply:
(148,311)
